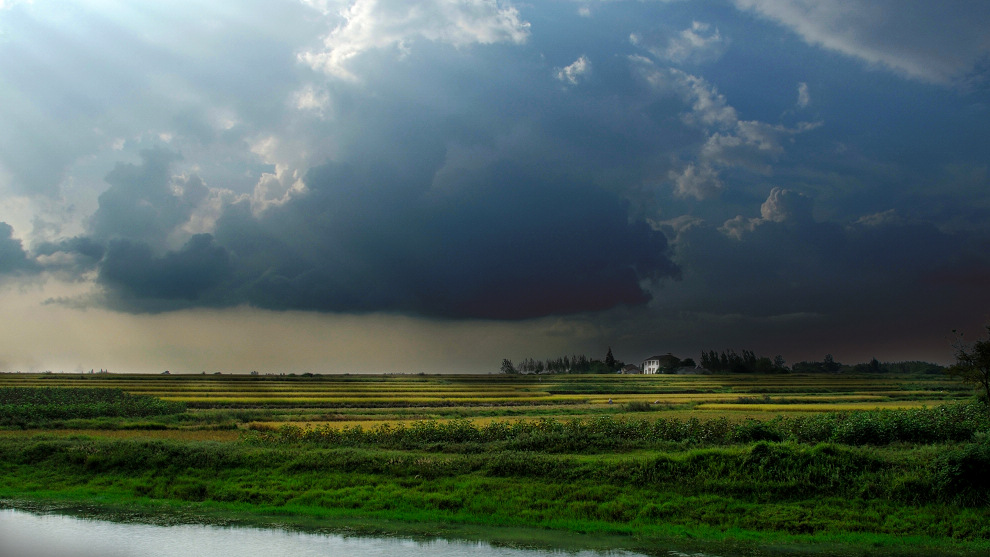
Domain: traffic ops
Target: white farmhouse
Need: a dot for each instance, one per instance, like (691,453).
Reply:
(657,364)
(651,365)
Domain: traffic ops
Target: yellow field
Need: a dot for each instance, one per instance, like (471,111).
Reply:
(239,401)
(831,407)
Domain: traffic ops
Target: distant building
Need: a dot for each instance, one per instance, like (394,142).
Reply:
(658,364)
(630,369)
(651,365)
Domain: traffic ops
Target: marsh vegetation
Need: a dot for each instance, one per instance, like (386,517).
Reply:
(747,461)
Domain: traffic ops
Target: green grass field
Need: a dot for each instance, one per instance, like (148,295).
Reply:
(854,464)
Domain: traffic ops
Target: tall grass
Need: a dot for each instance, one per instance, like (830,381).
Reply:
(817,475)
(949,423)
(764,473)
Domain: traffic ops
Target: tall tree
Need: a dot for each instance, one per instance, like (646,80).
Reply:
(610,359)
(830,364)
(973,364)
(507,366)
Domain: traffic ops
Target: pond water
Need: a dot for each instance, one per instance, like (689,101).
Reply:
(29,534)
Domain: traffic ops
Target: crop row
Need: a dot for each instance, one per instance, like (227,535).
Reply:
(36,405)
(947,423)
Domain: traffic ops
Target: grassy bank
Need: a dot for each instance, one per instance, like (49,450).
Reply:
(909,481)
(899,497)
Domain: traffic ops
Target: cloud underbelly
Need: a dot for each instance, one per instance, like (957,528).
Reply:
(509,244)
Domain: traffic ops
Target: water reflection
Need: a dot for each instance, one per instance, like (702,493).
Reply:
(28,534)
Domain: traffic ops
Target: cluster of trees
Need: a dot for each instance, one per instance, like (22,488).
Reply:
(670,363)
(564,364)
(829,365)
(973,364)
(728,361)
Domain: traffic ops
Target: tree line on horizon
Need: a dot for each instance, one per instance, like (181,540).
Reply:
(725,361)
(577,363)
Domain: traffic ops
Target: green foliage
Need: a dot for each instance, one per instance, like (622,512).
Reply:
(949,423)
(763,486)
(756,430)
(579,364)
(507,366)
(913,367)
(23,406)
(904,474)
(669,363)
(728,361)
(718,478)
(827,365)
(973,365)
(963,474)
(611,364)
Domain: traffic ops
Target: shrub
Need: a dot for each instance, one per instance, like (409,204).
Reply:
(754,430)
(963,474)
(25,406)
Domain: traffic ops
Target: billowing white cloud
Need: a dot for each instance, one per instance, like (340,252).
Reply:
(782,206)
(933,41)
(729,141)
(698,181)
(804,96)
(578,70)
(750,144)
(380,24)
(699,42)
(708,105)
(311,98)
(88,84)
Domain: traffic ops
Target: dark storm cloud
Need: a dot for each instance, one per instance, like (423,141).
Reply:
(143,280)
(72,257)
(501,160)
(502,241)
(879,268)
(516,244)
(144,202)
(13,258)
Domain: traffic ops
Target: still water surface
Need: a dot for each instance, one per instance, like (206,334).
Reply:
(26,534)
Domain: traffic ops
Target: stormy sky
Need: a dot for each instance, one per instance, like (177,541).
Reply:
(386,185)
